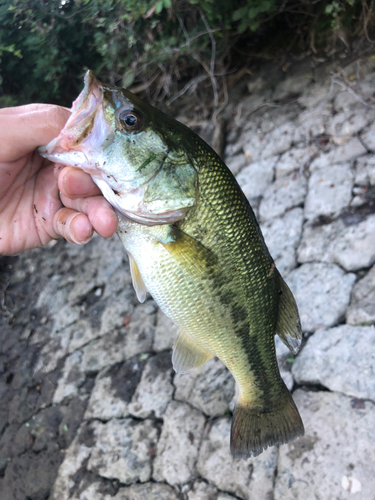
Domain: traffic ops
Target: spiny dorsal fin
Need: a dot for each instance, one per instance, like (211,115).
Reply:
(138,283)
(288,326)
(187,355)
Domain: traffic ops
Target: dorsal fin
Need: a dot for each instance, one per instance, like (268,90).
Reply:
(138,283)
(187,355)
(288,326)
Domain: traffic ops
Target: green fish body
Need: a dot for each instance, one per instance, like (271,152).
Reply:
(194,243)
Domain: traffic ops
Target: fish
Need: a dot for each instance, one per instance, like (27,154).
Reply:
(195,245)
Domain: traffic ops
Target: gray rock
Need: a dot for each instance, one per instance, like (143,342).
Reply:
(257,83)
(292,85)
(352,247)
(253,144)
(75,458)
(236,163)
(123,343)
(322,292)
(155,389)
(319,240)
(294,159)
(205,491)
(165,332)
(233,147)
(368,137)
(346,123)
(335,457)
(106,315)
(342,359)
(282,236)
(345,101)
(148,491)
(316,94)
(365,171)
(93,492)
(54,302)
(277,120)
(209,388)
(71,379)
(349,150)
(355,248)
(251,478)
(104,403)
(311,123)
(117,307)
(256,177)
(360,73)
(114,389)
(285,193)
(279,140)
(55,348)
(122,450)
(104,351)
(329,191)
(284,359)
(140,331)
(81,333)
(177,449)
(107,268)
(362,305)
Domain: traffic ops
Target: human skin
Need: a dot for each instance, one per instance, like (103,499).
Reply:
(39,200)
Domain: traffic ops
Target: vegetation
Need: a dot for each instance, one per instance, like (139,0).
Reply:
(160,47)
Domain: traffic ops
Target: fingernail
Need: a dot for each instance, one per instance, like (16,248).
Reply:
(81,226)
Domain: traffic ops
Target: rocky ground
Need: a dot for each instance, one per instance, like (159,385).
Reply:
(90,406)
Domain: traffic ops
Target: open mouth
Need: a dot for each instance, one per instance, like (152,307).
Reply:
(85,129)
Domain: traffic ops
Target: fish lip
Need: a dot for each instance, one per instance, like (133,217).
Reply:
(65,148)
(88,100)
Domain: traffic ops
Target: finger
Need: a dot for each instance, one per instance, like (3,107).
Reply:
(74,183)
(24,128)
(98,210)
(73,226)
(46,202)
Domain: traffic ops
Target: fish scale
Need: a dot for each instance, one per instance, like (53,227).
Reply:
(194,243)
(242,244)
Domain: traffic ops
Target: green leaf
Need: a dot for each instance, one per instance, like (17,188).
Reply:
(159,7)
(128,79)
(239,13)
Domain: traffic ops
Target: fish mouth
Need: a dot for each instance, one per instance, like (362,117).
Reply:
(86,129)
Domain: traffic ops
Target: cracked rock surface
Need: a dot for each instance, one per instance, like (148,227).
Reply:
(90,407)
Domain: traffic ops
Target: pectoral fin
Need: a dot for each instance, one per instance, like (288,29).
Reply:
(288,326)
(189,252)
(187,355)
(138,283)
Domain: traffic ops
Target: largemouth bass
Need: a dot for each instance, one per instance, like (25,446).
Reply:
(194,243)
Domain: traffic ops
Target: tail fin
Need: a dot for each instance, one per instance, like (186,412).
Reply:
(253,431)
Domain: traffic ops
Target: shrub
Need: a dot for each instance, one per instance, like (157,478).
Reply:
(159,47)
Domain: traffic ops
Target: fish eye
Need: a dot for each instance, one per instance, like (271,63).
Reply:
(130,120)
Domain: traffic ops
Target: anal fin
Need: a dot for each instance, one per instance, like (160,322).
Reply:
(187,355)
(288,326)
(138,283)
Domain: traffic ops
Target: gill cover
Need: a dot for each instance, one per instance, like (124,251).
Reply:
(119,140)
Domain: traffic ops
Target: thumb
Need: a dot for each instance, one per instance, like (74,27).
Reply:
(24,128)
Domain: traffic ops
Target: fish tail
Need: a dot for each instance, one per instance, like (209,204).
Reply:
(254,430)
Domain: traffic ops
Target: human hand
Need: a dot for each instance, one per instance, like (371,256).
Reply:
(40,201)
